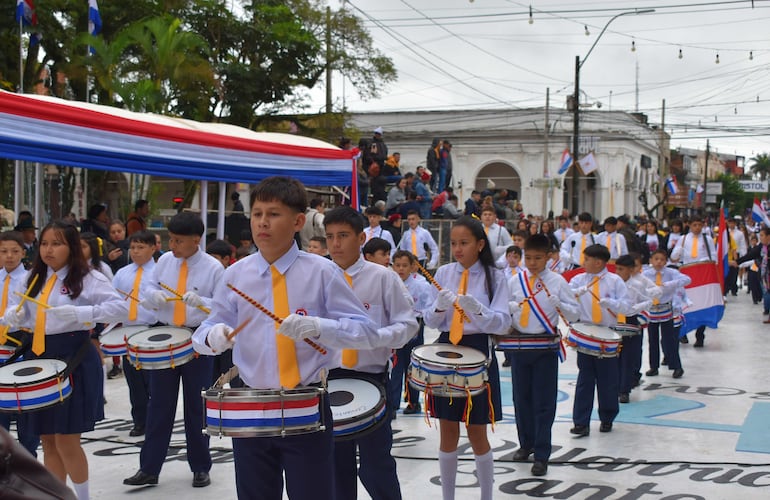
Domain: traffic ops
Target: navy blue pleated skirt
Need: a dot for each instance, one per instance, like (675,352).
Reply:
(85,406)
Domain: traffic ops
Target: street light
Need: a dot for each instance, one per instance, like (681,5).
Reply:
(576,104)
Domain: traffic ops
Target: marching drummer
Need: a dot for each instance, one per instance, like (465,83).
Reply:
(268,356)
(573,248)
(538,297)
(136,279)
(481,291)
(612,239)
(14,278)
(390,307)
(661,313)
(64,298)
(639,287)
(601,296)
(193,274)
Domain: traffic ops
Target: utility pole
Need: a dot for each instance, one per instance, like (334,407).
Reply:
(575,138)
(706,176)
(663,166)
(546,172)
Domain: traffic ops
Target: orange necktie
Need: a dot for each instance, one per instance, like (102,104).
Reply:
(350,356)
(456,330)
(609,242)
(582,249)
(658,282)
(694,250)
(288,371)
(38,337)
(524,320)
(414,242)
(133,306)
(180,308)
(563,235)
(596,308)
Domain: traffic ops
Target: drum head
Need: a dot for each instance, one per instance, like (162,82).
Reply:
(351,398)
(30,371)
(160,336)
(449,354)
(116,336)
(596,331)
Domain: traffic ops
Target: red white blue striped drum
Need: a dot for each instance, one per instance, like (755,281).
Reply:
(448,370)
(660,313)
(247,412)
(6,351)
(33,384)
(528,342)
(626,329)
(160,347)
(358,406)
(595,340)
(114,342)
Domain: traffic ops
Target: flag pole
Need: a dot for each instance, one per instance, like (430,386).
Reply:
(18,164)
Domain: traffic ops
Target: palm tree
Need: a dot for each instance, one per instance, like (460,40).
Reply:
(761,166)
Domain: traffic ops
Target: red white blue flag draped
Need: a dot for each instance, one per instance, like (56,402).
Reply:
(50,130)
(25,12)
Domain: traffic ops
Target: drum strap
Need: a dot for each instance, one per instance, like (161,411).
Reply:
(75,360)
(534,305)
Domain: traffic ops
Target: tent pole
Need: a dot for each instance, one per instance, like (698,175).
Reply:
(204,211)
(221,211)
(37,202)
(17,188)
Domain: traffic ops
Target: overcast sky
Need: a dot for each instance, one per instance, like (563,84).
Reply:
(485,54)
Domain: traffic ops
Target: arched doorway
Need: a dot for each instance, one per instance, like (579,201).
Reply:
(503,175)
(588,194)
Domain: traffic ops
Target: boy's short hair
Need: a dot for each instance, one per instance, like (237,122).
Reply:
(597,252)
(373,210)
(403,253)
(513,249)
(146,237)
(611,220)
(316,202)
(186,224)
(413,212)
(521,233)
(562,217)
(374,245)
(286,190)
(219,247)
(661,251)
(13,236)
(488,208)
(585,217)
(695,218)
(537,243)
(636,256)
(140,204)
(625,261)
(319,239)
(344,215)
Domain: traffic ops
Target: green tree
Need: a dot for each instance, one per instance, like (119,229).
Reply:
(733,195)
(760,166)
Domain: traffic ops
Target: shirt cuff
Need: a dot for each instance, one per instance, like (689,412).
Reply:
(85,314)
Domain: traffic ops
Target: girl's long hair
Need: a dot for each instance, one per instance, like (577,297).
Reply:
(78,267)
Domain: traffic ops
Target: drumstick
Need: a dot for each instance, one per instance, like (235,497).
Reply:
(127,295)
(26,294)
(558,310)
(598,300)
(168,288)
(238,329)
(433,282)
(527,299)
(4,335)
(34,301)
(272,316)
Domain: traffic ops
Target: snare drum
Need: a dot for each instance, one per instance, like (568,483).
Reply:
(6,351)
(448,370)
(595,340)
(160,347)
(33,384)
(247,412)
(528,342)
(626,329)
(358,406)
(660,313)
(114,342)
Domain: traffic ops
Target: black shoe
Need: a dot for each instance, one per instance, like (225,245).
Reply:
(506,363)
(141,479)
(684,340)
(651,372)
(698,343)
(539,468)
(623,398)
(522,454)
(138,430)
(678,373)
(605,427)
(580,430)
(664,362)
(115,372)
(201,479)
(412,409)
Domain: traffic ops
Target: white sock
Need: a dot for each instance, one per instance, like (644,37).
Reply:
(485,473)
(104,379)
(81,490)
(447,464)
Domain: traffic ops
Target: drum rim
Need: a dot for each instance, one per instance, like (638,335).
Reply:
(484,362)
(372,412)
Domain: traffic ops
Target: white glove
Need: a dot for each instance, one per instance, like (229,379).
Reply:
(192,299)
(12,317)
(580,291)
(555,302)
(469,304)
(513,307)
(298,327)
(606,303)
(67,313)
(217,338)
(642,306)
(655,292)
(445,299)
(156,299)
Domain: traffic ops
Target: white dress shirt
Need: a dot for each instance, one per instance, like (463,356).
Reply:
(683,251)
(562,234)
(499,239)
(204,273)
(315,287)
(615,243)
(671,280)
(423,237)
(557,286)
(18,283)
(494,319)
(124,281)
(422,292)
(571,249)
(379,232)
(612,287)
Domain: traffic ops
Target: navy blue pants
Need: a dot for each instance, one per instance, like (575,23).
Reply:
(600,374)
(138,382)
(535,377)
(306,459)
(630,361)
(164,390)
(398,373)
(376,466)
